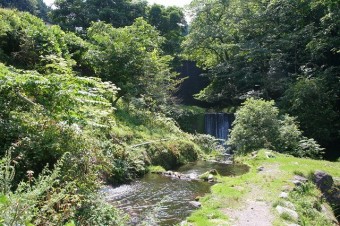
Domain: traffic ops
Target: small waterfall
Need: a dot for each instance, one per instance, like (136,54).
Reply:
(218,124)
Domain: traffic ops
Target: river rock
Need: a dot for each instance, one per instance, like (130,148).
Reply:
(283,210)
(213,172)
(195,204)
(207,176)
(168,173)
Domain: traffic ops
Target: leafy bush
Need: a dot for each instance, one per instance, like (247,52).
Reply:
(51,200)
(207,143)
(289,135)
(309,148)
(258,125)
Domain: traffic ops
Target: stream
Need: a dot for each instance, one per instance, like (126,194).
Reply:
(159,200)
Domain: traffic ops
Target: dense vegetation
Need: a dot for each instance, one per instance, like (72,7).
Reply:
(280,50)
(89,100)
(36,7)
(65,128)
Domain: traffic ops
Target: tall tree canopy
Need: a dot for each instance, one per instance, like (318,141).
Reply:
(36,7)
(266,43)
(264,47)
(70,14)
(171,23)
(131,57)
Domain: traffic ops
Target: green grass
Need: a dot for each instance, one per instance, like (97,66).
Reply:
(276,177)
(155,169)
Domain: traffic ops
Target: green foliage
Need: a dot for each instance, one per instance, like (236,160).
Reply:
(35,7)
(173,153)
(131,58)
(97,211)
(308,201)
(44,116)
(50,109)
(206,142)
(70,14)
(311,102)
(189,118)
(51,200)
(45,200)
(289,134)
(155,169)
(25,40)
(309,148)
(258,125)
(170,22)
(261,48)
(260,43)
(7,172)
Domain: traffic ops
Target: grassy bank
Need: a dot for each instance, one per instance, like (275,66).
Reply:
(265,186)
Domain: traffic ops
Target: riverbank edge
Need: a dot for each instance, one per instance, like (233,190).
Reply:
(270,175)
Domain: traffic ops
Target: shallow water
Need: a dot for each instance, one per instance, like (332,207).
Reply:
(160,200)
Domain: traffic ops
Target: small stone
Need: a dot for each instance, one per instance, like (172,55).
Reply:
(195,204)
(168,173)
(261,168)
(283,210)
(284,195)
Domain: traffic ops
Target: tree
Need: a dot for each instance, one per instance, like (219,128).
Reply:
(171,23)
(264,43)
(74,14)
(36,7)
(261,48)
(131,58)
(310,101)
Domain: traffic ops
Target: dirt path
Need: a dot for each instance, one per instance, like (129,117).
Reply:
(254,211)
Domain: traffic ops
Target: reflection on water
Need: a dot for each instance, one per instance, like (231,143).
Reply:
(159,200)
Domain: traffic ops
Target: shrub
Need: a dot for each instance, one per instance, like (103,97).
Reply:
(309,148)
(289,135)
(256,126)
